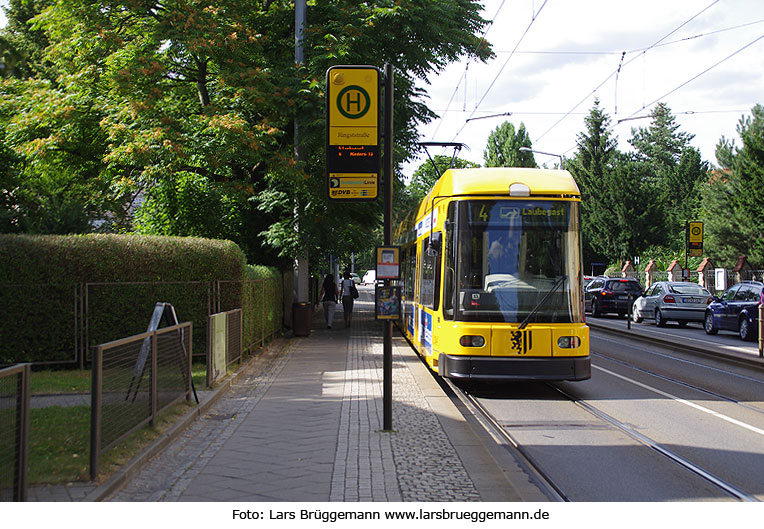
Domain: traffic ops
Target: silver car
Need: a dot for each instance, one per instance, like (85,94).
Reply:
(672,300)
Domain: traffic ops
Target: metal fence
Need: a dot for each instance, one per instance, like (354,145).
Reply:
(708,278)
(28,310)
(14,432)
(258,326)
(134,379)
(61,323)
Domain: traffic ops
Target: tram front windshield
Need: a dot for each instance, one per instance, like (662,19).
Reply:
(513,261)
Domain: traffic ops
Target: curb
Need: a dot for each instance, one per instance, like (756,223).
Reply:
(716,353)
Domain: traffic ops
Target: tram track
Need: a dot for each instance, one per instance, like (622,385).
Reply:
(536,470)
(503,438)
(687,385)
(543,472)
(654,445)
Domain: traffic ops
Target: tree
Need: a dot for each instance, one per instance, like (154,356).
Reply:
(593,162)
(191,107)
(426,175)
(677,170)
(619,219)
(733,197)
(503,147)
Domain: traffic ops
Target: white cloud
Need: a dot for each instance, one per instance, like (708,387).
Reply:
(551,92)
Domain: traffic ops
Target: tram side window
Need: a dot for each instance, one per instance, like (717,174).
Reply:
(449,274)
(409,260)
(430,277)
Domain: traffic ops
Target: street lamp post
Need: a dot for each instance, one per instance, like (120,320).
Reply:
(528,149)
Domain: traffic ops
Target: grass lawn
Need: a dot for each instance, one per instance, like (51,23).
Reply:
(59,440)
(59,437)
(53,382)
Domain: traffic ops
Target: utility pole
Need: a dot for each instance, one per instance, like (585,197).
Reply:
(301,264)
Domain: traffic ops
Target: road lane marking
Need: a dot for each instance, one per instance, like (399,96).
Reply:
(698,407)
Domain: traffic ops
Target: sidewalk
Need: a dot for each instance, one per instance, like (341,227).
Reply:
(303,423)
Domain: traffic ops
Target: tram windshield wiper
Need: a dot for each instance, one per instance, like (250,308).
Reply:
(559,281)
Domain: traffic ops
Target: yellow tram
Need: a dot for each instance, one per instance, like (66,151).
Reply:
(491,277)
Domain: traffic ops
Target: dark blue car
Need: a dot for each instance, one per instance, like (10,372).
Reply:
(737,310)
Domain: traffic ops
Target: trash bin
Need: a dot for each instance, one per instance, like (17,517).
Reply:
(301,315)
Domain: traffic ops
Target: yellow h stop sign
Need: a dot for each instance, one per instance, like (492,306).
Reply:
(695,239)
(352,133)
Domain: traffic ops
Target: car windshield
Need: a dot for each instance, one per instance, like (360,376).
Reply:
(689,288)
(513,259)
(624,285)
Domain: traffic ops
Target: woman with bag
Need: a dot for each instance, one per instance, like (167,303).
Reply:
(329,299)
(349,293)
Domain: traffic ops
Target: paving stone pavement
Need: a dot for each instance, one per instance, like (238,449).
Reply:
(304,423)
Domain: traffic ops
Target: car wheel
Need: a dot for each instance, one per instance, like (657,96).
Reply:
(636,318)
(745,330)
(596,308)
(659,321)
(708,324)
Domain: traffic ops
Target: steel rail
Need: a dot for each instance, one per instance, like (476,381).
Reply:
(503,438)
(687,384)
(688,465)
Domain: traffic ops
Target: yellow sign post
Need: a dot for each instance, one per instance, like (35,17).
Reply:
(695,239)
(352,133)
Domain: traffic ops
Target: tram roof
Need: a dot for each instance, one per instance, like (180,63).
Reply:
(496,181)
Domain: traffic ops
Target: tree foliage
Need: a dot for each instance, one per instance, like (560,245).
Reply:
(733,197)
(503,147)
(677,172)
(185,111)
(428,173)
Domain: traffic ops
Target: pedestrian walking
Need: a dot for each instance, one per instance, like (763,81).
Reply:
(348,293)
(329,299)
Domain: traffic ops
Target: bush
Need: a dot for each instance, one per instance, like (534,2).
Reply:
(41,288)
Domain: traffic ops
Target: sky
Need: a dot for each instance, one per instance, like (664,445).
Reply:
(554,57)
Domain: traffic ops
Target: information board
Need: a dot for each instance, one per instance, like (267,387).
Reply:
(388,262)
(352,133)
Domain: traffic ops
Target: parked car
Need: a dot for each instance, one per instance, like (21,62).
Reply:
(356,278)
(672,300)
(737,310)
(587,280)
(610,294)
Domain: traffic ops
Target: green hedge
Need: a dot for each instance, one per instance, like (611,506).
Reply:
(41,280)
(103,258)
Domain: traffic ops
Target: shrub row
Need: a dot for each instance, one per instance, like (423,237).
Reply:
(48,307)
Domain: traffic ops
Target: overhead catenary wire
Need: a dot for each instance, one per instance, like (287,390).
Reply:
(675,34)
(680,86)
(612,74)
(466,68)
(498,74)
(754,41)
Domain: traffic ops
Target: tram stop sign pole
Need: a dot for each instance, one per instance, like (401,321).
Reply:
(387,350)
(353,163)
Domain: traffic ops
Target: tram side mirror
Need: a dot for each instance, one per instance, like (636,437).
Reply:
(436,243)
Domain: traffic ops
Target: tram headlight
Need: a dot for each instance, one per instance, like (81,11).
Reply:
(471,341)
(568,342)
